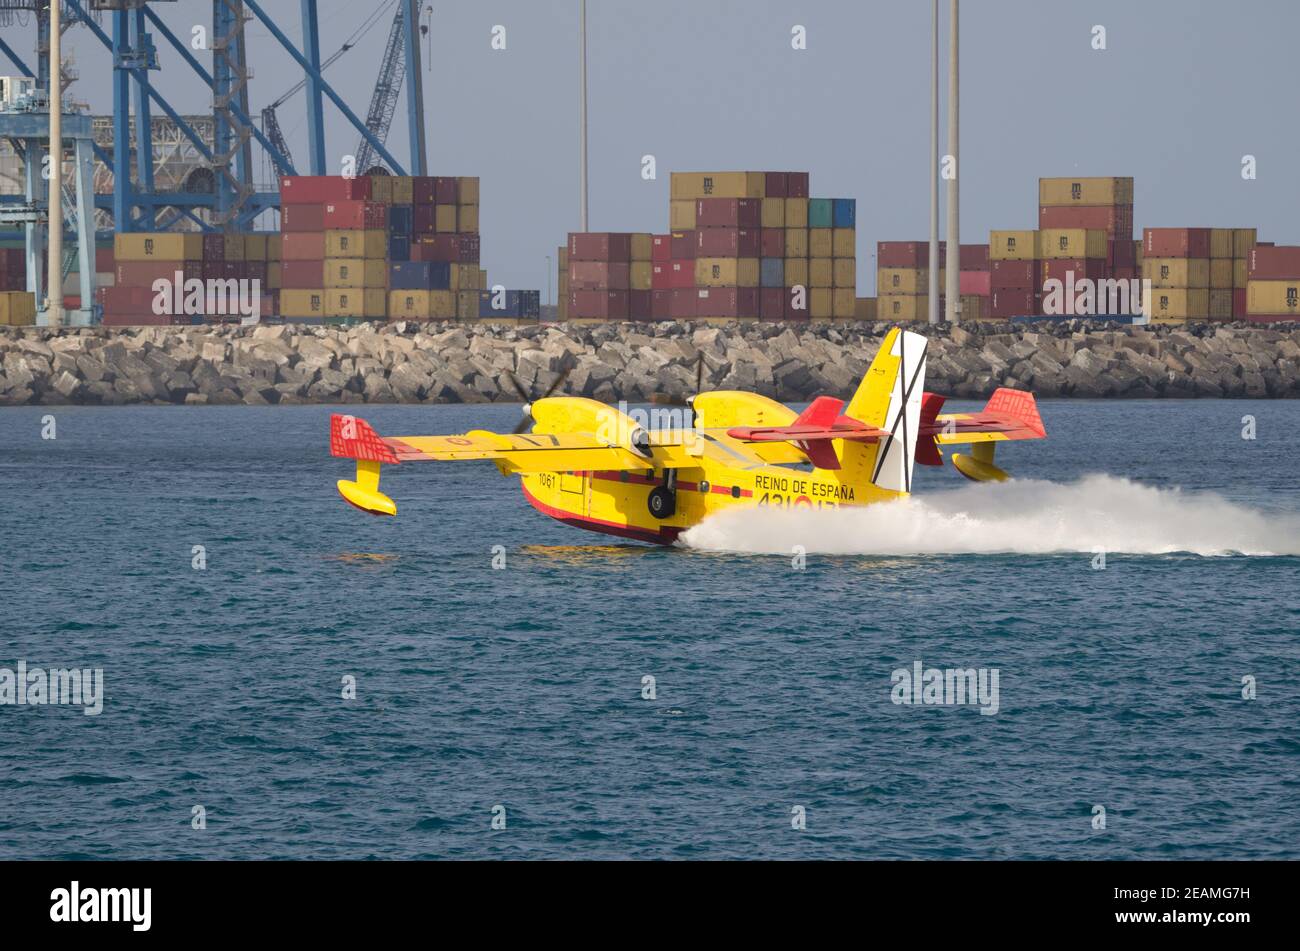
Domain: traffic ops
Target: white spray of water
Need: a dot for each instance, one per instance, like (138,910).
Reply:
(1021,516)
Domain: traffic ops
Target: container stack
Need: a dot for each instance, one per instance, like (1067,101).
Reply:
(445,229)
(1091,204)
(903,280)
(1177,263)
(17,306)
(504,304)
(1015,287)
(603,267)
(974,282)
(303,202)
(13,269)
(1074,254)
(1273,284)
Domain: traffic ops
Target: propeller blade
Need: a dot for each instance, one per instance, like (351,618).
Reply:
(519,388)
(559,382)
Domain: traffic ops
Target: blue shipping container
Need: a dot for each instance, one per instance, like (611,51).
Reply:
(821,213)
(419,275)
(510,300)
(846,212)
(772,272)
(401,218)
(399,247)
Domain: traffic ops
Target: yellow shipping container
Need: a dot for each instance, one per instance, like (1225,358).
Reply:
(844,243)
(1177,272)
(1273,297)
(355,272)
(681,215)
(368,302)
(466,218)
(1180,303)
(773,213)
(796,271)
(747,272)
(1013,245)
(467,189)
(1243,241)
(402,189)
(444,219)
(234,247)
(842,302)
(465,277)
(467,305)
(796,242)
(1221,272)
(442,305)
(482,279)
(716,272)
(640,275)
(1221,305)
(346,243)
(255,246)
(972,307)
(846,272)
(17,309)
(902,307)
(274,244)
(864,308)
(821,303)
(409,305)
(1240,272)
(158,246)
(1085,191)
(902,280)
(642,246)
(693,185)
(1066,243)
(796,213)
(821,272)
(273,275)
(303,303)
(1221,242)
(821,243)
(381,188)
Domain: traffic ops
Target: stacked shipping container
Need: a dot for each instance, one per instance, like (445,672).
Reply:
(1177,263)
(1273,283)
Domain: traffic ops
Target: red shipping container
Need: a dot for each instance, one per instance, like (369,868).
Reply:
(728,212)
(596,304)
(771,242)
(1127,273)
(771,303)
(974,257)
(468,248)
(444,190)
(134,301)
(318,189)
(437,247)
(681,274)
(682,303)
(726,301)
(1273,262)
(775,184)
(1116,220)
(303,246)
(422,220)
(132,319)
(1014,303)
(356,215)
(660,275)
(600,246)
(661,304)
(638,305)
(1176,243)
(1093,269)
(1121,253)
(661,248)
(1238,302)
(255,271)
(302,218)
(598,275)
(726,243)
(103,259)
(302,275)
(902,253)
(1010,275)
(791,311)
(423,190)
(796,184)
(974,282)
(683,245)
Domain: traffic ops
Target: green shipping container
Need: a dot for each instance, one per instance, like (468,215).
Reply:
(820,212)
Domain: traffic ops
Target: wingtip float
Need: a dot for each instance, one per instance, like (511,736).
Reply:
(590,465)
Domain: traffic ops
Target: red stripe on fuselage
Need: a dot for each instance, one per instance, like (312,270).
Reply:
(664,536)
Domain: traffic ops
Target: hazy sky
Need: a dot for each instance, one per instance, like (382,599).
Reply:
(1184,89)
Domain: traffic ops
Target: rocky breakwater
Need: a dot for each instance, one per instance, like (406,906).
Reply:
(471,363)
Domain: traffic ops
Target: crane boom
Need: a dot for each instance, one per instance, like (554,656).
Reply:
(383,103)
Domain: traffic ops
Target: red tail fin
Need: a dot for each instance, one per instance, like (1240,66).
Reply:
(927,450)
(821,413)
(354,438)
(1020,405)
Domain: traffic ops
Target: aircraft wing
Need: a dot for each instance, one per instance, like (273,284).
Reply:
(1009,414)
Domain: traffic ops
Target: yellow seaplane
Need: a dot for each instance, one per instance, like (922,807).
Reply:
(597,467)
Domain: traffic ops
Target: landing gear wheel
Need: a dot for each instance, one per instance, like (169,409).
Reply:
(662,502)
